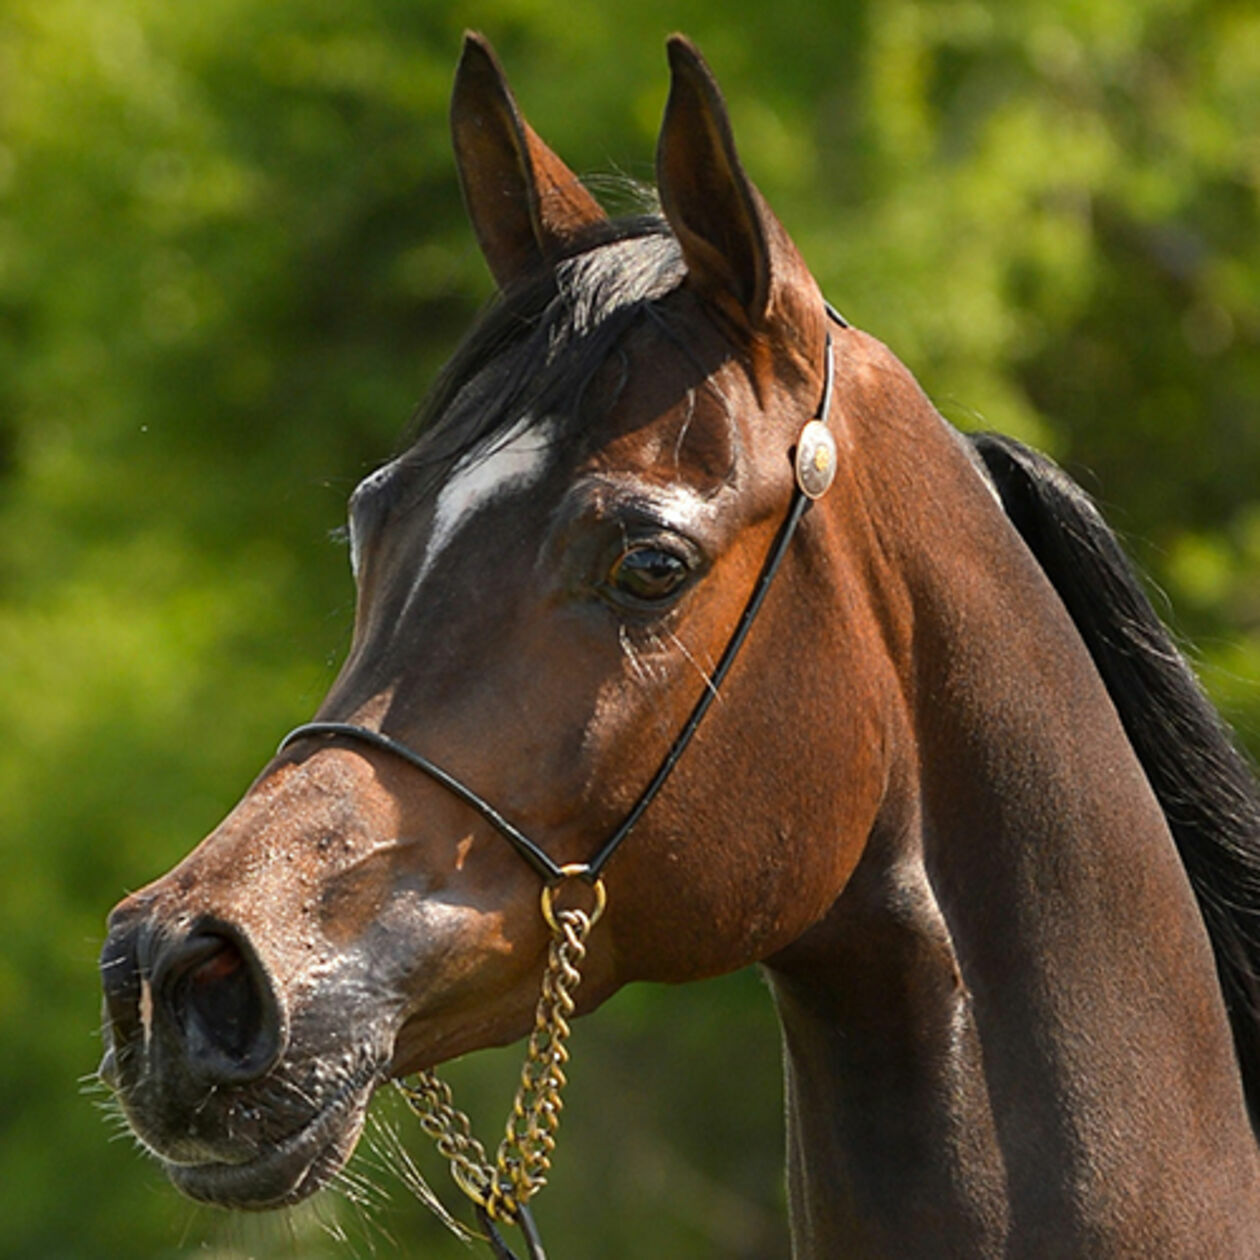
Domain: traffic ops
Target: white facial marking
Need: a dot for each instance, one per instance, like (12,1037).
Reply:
(511,462)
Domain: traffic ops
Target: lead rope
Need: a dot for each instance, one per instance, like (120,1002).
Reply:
(500,1191)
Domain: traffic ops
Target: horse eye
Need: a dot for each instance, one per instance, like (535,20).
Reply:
(647,575)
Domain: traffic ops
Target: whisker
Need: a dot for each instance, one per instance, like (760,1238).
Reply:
(641,672)
(359,1189)
(207,1100)
(386,1143)
(704,674)
(329,1224)
(194,1214)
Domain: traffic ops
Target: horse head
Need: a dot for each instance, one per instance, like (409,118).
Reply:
(546,579)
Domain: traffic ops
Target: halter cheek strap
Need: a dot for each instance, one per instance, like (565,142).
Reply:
(815,467)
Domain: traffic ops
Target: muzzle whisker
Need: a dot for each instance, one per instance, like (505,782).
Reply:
(207,1100)
(359,1188)
(91,1083)
(328,1222)
(366,1202)
(388,1146)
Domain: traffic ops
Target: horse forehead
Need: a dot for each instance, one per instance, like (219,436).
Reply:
(512,462)
(674,415)
(504,466)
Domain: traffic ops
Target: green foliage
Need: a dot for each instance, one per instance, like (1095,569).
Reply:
(231,256)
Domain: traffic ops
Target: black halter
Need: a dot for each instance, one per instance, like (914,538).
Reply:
(808,488)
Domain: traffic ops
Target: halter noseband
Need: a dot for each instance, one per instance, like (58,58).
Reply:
(815,463)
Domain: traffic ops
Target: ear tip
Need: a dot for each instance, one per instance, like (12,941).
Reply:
(477,58)
(684,55)
(688,67)
(479,78)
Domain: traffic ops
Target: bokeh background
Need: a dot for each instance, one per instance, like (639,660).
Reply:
(232,255)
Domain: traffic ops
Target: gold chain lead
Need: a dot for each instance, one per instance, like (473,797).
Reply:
(523,1158)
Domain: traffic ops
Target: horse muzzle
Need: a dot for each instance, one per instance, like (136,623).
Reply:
(199,1053)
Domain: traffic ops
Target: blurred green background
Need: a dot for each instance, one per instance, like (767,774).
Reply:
(232,255)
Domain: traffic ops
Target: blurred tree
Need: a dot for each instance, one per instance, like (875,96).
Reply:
(232,254)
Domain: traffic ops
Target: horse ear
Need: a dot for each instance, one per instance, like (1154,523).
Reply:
(526,206)
(737,252)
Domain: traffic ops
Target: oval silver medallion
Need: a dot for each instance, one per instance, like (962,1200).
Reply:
(815,459)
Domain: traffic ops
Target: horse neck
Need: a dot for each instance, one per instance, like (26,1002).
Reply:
(1007,1036)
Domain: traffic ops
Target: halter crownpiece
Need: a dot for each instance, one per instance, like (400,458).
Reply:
(500,1190)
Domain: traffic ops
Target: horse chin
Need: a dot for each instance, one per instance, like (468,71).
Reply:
(289,1170)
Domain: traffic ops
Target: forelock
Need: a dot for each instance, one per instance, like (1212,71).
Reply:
(535,348)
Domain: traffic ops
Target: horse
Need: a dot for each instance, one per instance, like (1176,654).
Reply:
(685,610)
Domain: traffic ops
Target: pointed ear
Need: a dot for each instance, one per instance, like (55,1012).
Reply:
(737,253)
(526,206)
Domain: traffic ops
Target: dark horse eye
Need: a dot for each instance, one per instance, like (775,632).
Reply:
(648,575)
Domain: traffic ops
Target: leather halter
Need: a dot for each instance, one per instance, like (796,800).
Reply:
(813,476)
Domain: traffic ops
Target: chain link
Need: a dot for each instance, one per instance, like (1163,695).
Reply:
(523,1158)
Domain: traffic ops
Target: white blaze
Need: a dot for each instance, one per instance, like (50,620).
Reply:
(486,473)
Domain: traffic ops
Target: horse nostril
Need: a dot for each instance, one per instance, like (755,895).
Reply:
(218,997)
(215,995)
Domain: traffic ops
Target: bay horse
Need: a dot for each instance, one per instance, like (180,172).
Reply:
(685,594)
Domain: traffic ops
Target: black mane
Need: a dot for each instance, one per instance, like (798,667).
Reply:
(1204,784)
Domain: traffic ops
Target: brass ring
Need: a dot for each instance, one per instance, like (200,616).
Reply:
(576,870)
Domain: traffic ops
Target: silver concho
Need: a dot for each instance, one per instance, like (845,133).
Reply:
(815,459)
